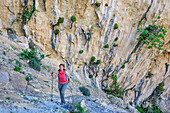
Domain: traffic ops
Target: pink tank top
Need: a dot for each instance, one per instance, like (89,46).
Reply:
(62,77)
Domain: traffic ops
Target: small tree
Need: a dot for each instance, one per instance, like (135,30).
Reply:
(73,19)
(116,26)
(93,58)
(97,4)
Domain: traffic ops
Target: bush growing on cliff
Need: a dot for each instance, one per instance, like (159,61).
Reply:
(98,62)
(97,4)
(60,20)
(93,58)
(26,14)
(115,45)
(159,89)
(56,31)
(33,57)
(152,36)
(116,26)
(116,39)
(88,39)
(106,4)
(81,51)
(106,46)
(18,67)
(73,18)
(90,76)
(114,88)
(152,109)
(123,66)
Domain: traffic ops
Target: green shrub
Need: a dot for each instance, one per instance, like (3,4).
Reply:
(152,109)
(60,20)
(106,4)
(116,26)
(18,67)
(27,78)
(8,98)
(106,46)
(152,36)
(81,51)
(79,108)
(114,88)
(73,18)
(33,57)
(88,39)
(4,53)
(90,76)
(93,58)
(115,45)
(84,91)
(123,66)
(158,17)
(56,31)
(159,89)
(97,4)
(98,62)
(116,39)
(26,14)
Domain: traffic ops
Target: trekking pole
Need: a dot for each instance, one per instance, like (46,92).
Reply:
(52,88)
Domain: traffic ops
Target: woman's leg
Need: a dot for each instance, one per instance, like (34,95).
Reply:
(63,91)
(60,87)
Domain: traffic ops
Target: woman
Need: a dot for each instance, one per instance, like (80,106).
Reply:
(62,81)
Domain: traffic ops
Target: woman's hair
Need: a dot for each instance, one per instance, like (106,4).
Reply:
(63,67)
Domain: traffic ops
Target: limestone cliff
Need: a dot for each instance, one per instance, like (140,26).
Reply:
(92,30)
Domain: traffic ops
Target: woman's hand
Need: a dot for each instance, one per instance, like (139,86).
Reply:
(53,75)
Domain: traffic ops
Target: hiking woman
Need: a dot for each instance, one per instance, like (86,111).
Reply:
(62,81)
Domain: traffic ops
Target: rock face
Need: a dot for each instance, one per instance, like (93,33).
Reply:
(146,69)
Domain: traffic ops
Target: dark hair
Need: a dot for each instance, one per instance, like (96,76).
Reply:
(63,67)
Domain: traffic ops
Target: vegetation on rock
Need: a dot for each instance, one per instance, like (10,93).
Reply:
(97,4)
(114,88)
(33,57)
(93,58)
(116,26)
(152,36)
(56,31)
(152,109)
(106,46)
(26,15)
(81,51)
(84,91)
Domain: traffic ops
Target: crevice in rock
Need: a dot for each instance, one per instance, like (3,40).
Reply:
(44,1)
(138,90)
(144,16)
(166,69)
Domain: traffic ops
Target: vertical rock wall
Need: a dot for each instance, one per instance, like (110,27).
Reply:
(97,23)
